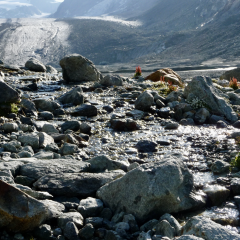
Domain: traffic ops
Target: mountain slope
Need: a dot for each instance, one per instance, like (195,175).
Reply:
(120,8)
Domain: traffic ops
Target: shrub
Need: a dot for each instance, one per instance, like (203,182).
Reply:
(171,88)
(138,72)
(233,83)
(236,161)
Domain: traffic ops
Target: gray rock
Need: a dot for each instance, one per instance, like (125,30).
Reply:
(10,127)
(31,139)
(172,126)
(85,110)
(28,107)
(144,236)
(49,128)
(201,115)
(71,125)
(70,231)
(144,101)
(44,139)
(68,149)
(165,229)
(164,112)
(46,115)
(43,232)
(87,231)
(172,96)
(90,207)
(156,188)
(85,128)
(149,225)
(13,166)
(220,167)
(75,97)
(51,70)
(124,124)
(173,222)
(146,146)
(12,146)
(112,80)
(217,194)
(208,230)
(44,155)
(6,176)
(214,119)
(40,168)
(19,212)
(235,186)
(221,124)
(202,87)
(46,104)
(75,184)
(189,237)
(136,114)
(187,122)
(55,209)
(112,235)
(103,163)
(35,65)
(8,94)
(160,104)
(77,68)
(74,217)
(97,222)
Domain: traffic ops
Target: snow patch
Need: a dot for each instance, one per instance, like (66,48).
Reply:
(114,19)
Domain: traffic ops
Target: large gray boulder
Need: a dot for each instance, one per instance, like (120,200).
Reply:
(74,96)
(76,68)
(151,190)
(208,230)
(202,88)
(75,184)
(18,211)
(8,94)
(35,65)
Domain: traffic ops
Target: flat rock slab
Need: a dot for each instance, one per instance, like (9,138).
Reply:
(40,168)
(208,230)
(75,184)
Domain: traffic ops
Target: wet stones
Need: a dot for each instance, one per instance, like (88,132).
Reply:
(77,68)
(85,110)
(124,124)
(146,146)
(163,112)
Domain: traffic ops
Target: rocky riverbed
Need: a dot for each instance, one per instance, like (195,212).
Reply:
(87,156)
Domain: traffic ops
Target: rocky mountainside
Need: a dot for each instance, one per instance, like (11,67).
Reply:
(121,8)
(19,12)
(199,35)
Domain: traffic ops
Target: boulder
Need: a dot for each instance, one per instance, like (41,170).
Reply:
(31,139)
(74,96)
(46,104)
(167,73)
(18,211)
(76,68)
(28,107)
(8,94)
(40,168)
(85,110)
(35,65)
(72,125)
(208,230)
(75,184)
(44,139)
(51,69)
(144,101)
(203,89)
(152,189)
(112,80)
